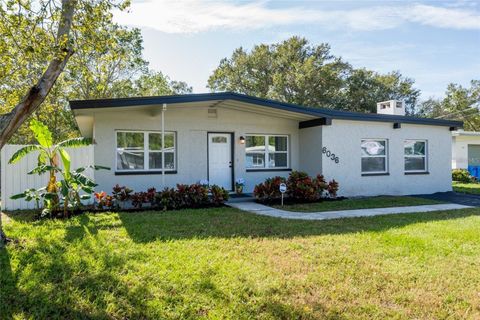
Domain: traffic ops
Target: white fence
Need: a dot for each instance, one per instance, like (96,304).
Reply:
(15,178)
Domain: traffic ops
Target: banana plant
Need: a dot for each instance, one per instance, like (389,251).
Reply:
(48,156)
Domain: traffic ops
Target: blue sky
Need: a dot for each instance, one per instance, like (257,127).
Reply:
(433,42)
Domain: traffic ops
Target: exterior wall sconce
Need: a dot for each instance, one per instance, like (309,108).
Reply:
(242,140)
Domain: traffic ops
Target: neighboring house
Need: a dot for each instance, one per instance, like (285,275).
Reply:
(220,137)
(466,151)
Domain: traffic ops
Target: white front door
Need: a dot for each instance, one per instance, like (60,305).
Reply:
(220,159)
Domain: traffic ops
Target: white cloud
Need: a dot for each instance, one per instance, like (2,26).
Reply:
(193,16)
(445,17)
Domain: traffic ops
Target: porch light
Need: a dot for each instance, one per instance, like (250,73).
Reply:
(242,140)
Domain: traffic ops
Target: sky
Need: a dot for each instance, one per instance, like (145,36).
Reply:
(433,42)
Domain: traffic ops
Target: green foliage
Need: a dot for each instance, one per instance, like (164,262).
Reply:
(460,103)
(41,133)
(462,175)
(296,72)
(219,195)
(107,61)
(22,152)
(66,192)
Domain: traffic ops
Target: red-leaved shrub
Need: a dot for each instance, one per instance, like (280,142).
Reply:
(269,190)
(300,188)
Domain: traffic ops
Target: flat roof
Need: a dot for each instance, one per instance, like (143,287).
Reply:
(219,96)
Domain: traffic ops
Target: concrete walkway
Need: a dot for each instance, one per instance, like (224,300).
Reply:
(272,212)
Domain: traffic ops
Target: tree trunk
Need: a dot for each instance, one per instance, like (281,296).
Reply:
(10,122)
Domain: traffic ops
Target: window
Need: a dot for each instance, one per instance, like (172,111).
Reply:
(415,153)
(374,156)
(266,151)
(143,151)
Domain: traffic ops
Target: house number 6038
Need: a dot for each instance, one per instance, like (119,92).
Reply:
(330,155)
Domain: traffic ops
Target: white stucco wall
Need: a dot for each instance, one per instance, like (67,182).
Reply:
(344,137)
(460,150)
(311,150)
(191,125)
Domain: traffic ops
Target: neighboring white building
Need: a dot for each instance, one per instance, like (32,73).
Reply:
(220,137)
(466,151)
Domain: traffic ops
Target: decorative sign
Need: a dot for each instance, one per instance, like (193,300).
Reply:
(283,188)
(330,155)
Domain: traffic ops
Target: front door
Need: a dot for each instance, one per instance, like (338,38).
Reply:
(220,159)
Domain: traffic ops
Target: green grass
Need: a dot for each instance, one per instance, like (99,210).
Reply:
(471,188)
(226,264)
(358,203)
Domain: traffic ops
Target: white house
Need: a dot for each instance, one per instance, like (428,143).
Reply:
(220,137)
(466,151)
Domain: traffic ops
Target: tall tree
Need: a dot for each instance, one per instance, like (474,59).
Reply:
(296,72)
(364,88)
(291,71)
(107,63)
(29,69)
(460,103)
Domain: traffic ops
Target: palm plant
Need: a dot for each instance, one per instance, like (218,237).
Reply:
(49,155)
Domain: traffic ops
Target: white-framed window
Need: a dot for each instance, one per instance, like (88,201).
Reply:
(142,151)
(415,154)
(266,151)
(374,156)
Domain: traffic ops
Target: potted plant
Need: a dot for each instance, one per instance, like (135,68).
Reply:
(239,183)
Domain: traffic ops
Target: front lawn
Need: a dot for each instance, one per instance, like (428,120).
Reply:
(358,203)
(472,188)
(226,264)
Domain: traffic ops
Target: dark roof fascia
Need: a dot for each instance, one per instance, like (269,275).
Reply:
(396,119)
(201,97)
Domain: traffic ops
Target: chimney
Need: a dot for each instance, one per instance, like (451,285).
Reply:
(391,107)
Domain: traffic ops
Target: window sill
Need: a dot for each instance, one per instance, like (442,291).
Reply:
(268,169)
(144,172)
(375,174)
(414,173)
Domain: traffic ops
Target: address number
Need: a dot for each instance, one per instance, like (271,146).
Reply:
(330,155)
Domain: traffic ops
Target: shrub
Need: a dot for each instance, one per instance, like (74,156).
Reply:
(462,175)
(219,195)
(332,189)
(121,195)
(141,198)
(300,188)
(167,199)
(192,196)
(103,200)
(269,190)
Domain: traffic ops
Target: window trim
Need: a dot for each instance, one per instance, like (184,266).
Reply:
(146,152)
(386,156)
(267,153)
(425,170)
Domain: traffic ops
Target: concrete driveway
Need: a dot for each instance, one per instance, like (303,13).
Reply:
(454,197)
